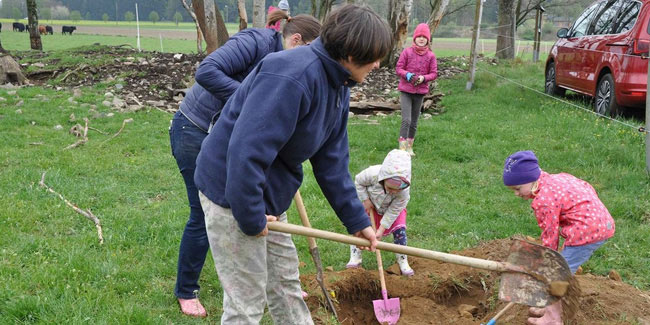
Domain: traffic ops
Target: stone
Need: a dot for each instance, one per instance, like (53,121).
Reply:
(20,103)
(2,99)
(118,103)
(107,103)
(613,274)
(58,127)
(119,86)
(108,94)
(76,92)
(11,92)
(39,65)
(467,311)
(19,111)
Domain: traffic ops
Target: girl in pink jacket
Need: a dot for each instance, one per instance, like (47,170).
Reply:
(564,206)
(417,66)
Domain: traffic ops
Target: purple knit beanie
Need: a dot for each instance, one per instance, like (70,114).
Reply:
(521,168)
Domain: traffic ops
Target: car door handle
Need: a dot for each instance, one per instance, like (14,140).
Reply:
(617,44)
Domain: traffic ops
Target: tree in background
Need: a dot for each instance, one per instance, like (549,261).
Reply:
(60,12)
(46,13)
(259,14)
(199,42)
(88,16)
(16,14)
(32,26)
(154,17)
(105,17)
(507,27)
(178,18)
(243,17)
(75,15)
(129,16)
(398,18)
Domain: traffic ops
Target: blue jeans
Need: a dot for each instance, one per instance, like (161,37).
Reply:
(186,138)
(577,255)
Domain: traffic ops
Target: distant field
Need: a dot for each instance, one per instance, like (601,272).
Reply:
(182,38)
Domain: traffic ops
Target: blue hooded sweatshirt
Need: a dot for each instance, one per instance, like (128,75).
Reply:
(292,107)
(221,72)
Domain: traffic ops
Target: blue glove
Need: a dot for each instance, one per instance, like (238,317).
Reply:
(409,76)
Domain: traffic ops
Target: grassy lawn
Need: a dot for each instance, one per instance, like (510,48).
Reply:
(52,269)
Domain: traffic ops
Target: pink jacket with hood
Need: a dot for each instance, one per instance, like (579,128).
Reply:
(424,64)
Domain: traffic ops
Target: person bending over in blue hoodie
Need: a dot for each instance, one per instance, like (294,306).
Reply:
(217,78)
(292,107)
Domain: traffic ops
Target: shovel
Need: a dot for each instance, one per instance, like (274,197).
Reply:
(499,314)
(315,254)
(534,275)
(386,310)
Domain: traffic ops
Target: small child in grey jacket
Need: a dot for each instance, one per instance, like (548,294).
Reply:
(384,191)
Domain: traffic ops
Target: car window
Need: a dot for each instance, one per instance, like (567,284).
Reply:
(604,20)
(581,24)
(627,16)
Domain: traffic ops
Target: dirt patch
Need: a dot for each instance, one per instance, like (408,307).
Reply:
(442,293)
(160,79)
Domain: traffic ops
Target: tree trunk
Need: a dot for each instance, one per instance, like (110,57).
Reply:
(506,37)
(209,27)
(324,8)
(438,10)
(243,17)
(32,26)
(398,18)
(2,50)
(222,31)
(199,37)
(10,71)
(259,14)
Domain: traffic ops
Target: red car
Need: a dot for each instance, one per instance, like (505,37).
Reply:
(604,55)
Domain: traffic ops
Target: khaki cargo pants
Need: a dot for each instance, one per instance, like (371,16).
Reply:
(254,271)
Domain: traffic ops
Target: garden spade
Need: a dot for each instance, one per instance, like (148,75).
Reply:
(386,310)
(534,275)
(315,254)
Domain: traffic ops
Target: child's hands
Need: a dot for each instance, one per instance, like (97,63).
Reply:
(409,76)
(419,80)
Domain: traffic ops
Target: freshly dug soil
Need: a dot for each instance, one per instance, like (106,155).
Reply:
(443,293)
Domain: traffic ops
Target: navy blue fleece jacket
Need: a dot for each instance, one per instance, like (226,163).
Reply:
(220,73)
(292,107)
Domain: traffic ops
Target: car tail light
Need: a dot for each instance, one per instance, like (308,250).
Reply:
(641,47)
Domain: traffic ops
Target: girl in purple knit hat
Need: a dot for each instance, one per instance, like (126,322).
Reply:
(564,206)
(416,67)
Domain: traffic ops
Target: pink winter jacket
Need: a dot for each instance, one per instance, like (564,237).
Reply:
(422,65)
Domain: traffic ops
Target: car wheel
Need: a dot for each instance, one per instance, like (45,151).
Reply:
(551,86)
(605,101)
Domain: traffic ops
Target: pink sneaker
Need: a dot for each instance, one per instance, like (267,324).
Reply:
(192,307)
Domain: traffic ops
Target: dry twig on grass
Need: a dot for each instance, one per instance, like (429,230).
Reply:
(97,130)
(86,213)
(84,137)
(128,120)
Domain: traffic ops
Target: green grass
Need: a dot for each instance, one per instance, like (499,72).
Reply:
(52,269)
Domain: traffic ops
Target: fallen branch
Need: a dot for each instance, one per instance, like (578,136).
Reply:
(83,140)
(128,120)
(86,213)
(97,130)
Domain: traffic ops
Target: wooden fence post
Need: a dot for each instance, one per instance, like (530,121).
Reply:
(475,37)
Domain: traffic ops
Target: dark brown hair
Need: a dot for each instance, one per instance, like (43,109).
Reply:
(307,26)
(356,31)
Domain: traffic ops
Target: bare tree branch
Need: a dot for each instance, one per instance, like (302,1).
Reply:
(86,213)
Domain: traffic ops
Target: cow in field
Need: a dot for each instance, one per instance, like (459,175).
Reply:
(68,29)
(20,27)
(0,27)
(41,29)
(49,30)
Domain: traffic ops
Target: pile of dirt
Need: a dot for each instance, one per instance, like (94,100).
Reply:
(139,78)
(160,79)
(443,293)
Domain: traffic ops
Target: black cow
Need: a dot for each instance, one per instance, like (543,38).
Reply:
(0,27)
(49,30)
(19,27)
(68,29)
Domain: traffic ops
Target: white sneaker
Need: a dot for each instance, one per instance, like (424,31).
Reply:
(355,258)
(403,262)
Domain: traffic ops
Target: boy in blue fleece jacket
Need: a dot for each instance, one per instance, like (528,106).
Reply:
(292,107)
(217,78)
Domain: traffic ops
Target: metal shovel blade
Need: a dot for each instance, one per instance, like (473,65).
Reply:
(386,310)
(540,266)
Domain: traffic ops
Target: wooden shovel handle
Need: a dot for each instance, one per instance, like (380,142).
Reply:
(380,265)
(408,250)
(304,218)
